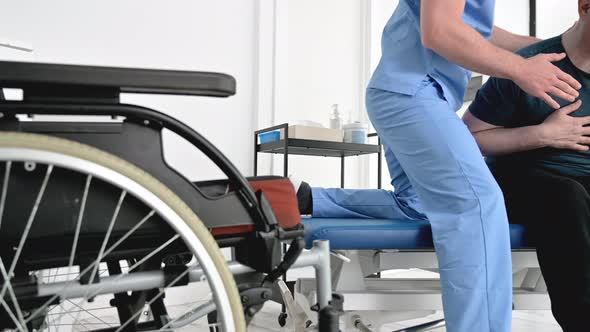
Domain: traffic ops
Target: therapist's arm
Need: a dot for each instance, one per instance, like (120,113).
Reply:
(560,130)
(511,41)
(444,31)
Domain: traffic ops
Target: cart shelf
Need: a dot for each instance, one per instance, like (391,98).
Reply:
(305,147)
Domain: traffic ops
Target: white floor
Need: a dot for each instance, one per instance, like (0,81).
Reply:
(523,321)
(266,321)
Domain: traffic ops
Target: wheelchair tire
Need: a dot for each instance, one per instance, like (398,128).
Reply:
(70,150)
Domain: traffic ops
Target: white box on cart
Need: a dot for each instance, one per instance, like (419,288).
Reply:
(314,133)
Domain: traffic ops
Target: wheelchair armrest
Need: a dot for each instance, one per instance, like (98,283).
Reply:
(39,76)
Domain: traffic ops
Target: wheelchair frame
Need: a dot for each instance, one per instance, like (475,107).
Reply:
(242,219)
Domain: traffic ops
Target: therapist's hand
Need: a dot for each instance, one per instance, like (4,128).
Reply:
(539,77)
(563,131)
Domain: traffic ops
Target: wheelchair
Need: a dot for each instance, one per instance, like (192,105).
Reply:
(99,233)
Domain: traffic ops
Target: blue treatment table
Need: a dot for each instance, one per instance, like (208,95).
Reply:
(362,234)
(386,269)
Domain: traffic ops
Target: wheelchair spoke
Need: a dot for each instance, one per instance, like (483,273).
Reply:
(89,312)
(132,268)
(79,221)
(17,307)
(11,314)
(74,322)
(128,234)
(60,317)
(140,262)
(18,321)
(195,313)
(4,189)
(172,283)
(27,228)
(87,269)
(92,309)
(108,235)
(153,253)
(54,276)
(103,247)
(19,312)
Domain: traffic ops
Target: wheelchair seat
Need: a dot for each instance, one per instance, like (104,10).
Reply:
(382,234)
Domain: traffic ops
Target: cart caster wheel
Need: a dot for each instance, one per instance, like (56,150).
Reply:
(283,319)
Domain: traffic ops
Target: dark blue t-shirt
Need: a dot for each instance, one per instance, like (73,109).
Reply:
(501,102)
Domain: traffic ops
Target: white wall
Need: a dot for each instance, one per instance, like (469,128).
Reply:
(555,16)
(381,11)
(188,35)
(513,15)
(323,67)
(319,50)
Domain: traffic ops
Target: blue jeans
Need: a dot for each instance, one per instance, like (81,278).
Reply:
(439,174)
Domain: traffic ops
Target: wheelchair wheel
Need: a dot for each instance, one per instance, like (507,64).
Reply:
(93,243)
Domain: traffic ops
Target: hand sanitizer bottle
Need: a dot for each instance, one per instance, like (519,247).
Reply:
(335,119)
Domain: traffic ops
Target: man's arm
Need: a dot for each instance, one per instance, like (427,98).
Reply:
(510,41)
(444,31)
(560,130)
(494,140)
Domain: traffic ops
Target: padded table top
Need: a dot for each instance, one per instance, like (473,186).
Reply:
(358,234)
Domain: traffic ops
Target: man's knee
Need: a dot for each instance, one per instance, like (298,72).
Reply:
(569,200)
(568,192)
(566,211)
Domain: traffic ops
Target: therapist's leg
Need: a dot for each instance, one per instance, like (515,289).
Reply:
(461,200)
(366,203)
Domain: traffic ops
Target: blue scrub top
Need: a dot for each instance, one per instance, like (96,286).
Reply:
(405,62)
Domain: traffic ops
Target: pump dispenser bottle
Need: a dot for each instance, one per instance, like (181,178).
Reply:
(335,119)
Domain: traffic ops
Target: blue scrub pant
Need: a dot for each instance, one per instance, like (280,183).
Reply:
(439,173)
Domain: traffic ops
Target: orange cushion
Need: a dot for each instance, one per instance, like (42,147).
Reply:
(283,199)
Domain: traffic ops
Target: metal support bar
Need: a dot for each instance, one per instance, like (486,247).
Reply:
(282,127)
(286,153)
(379,164)
(318,257)
(379,159)
(533,18)
(342,172)
(322,273)
(255,154)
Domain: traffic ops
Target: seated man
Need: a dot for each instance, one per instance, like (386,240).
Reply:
(541,160)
